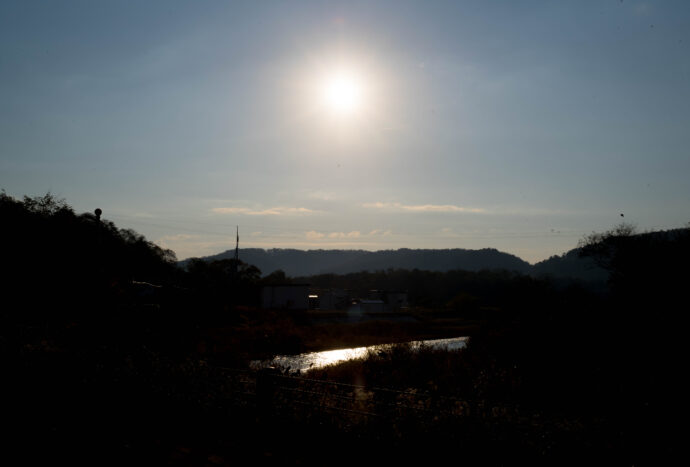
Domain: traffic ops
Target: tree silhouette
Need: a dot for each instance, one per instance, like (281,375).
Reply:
(54,258)
(644,267)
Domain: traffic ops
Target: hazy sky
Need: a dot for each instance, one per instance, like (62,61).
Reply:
(462,124)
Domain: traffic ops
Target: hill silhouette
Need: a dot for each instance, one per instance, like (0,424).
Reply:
(55,258)
(311,262)
(301,263)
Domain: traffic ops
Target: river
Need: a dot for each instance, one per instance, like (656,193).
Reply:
(307,361)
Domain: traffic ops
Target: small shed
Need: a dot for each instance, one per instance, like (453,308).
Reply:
(329,299)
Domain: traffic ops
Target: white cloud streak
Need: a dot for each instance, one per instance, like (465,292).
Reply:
(422,207)
(380,233)
(275,211)
(355,234)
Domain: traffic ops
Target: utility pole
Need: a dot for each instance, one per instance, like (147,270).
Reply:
(236,263)
(237,245)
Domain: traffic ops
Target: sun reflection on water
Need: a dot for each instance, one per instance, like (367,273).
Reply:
(307,361)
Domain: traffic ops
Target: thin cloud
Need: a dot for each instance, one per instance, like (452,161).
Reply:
(380,233)
(275,211)
(422,207)
(353,234)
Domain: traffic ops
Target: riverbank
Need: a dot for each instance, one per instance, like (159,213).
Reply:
(262,334)
(296,364)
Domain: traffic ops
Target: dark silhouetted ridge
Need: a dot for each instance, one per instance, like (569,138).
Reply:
(310,262)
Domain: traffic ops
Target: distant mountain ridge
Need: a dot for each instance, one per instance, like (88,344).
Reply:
(310,262)
(301,263)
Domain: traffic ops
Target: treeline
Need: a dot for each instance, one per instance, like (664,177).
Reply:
(57,262)
(313,262)
(560,268)
(54,257)
(451,290)
(620,355)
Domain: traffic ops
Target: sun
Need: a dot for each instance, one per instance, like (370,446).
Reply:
(342,92)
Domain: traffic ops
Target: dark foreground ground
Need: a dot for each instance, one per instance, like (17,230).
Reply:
(106,392)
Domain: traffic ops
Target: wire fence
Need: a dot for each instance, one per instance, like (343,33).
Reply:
(271,394)
(276,408)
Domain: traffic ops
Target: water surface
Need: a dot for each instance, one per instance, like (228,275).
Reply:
(307,361)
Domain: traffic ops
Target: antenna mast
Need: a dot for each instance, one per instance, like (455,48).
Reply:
(236,262)
(237,245)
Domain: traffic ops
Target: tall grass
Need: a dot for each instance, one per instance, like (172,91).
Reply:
(404,366)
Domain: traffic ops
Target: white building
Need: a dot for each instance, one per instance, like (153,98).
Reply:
(329,299)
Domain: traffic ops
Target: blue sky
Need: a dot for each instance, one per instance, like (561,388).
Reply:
(515,125)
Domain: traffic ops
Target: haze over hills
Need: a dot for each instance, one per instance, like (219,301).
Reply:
(296,263)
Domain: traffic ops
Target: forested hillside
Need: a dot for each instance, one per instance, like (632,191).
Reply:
(310,262)
(571,264)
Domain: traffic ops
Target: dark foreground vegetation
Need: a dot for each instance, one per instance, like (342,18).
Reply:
(114,355)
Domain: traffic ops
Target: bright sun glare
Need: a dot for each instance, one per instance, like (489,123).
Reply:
(342,93)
